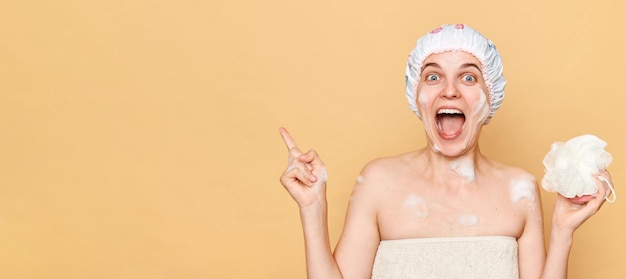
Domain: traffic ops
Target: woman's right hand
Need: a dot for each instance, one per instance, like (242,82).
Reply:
(305,176)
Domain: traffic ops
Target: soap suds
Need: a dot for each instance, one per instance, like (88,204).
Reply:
(436,148)
(468,219)
(422,98)
(481,108)
(417,205)
(359,179)
(522,188)
(465,168)
(323,178)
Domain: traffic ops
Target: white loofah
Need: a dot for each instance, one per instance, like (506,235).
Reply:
(570,167)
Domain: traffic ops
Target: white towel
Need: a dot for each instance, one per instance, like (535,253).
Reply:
(481,257)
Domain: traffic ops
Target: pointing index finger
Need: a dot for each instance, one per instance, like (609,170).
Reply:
(289,141)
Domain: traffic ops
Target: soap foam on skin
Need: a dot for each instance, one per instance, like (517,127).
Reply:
(436,148)
(481,108)
(480,112)
(323,177)
(464,167)
(522,188)
(422,99)
(427,125)
(468,220)
(359,179)
(416,204)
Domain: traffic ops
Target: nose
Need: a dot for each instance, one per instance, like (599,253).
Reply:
(450,91)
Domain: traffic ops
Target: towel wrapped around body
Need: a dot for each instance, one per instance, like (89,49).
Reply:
(481,257)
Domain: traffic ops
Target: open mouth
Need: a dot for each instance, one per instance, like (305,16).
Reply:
(450,122)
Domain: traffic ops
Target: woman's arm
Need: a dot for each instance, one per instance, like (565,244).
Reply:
(356,249)
(568,217)
(531,245)
(305,180)
(320,262)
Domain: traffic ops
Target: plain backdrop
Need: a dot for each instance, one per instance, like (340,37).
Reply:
(138,139)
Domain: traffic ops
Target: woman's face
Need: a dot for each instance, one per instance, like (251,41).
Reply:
(452,99)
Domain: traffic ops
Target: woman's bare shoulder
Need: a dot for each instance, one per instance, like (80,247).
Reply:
(521,185)
(509,172)
(376,178)
(384,165)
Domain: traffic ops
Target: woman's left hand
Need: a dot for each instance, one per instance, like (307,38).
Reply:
(568,215)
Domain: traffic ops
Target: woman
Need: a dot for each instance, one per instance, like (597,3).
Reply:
(444,211)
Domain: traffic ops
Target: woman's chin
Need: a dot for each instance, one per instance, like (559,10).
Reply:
(581,200)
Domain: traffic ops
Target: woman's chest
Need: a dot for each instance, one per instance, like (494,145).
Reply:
(421,214)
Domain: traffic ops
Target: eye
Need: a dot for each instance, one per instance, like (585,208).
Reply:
(432,77)
(468,78)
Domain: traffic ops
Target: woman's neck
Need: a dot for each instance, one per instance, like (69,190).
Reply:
(464,165)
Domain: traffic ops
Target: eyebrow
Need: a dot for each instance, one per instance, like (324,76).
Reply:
(430,65)
(466,65)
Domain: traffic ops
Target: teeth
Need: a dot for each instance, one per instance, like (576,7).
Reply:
(449,111)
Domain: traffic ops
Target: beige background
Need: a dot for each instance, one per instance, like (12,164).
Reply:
(139,138)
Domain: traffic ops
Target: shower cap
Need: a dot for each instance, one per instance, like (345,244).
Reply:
(570,167)
(457,37)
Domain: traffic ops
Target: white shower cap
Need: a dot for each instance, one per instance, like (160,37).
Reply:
(458,37)
(570,166)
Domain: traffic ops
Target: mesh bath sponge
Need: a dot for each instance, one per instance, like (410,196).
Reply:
(570,167)
(457,37)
